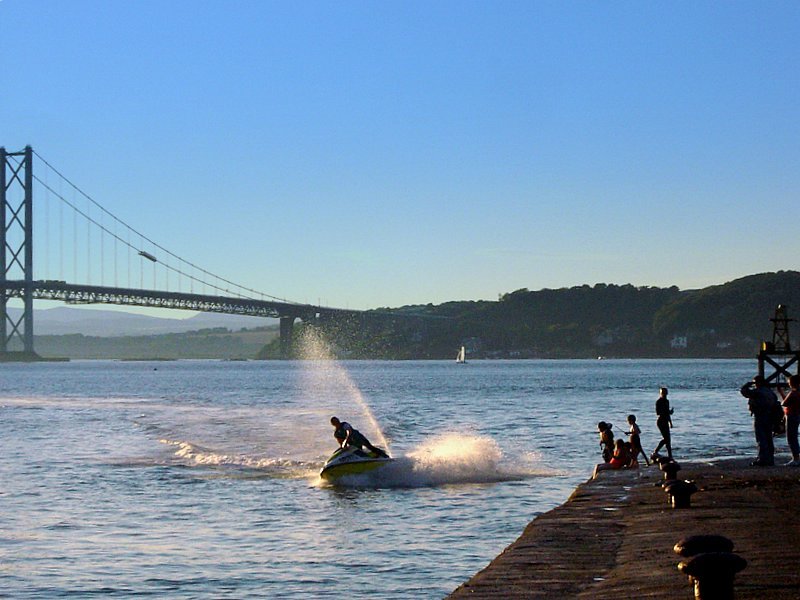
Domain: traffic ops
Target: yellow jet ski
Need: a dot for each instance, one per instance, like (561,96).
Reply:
(352,460)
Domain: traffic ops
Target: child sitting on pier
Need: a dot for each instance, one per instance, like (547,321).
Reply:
(621,458)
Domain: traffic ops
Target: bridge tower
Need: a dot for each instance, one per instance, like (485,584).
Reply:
(16,257)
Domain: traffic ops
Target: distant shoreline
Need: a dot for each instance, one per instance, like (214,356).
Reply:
(277,360)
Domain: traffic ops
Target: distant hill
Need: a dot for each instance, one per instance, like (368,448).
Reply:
(217,343)
(726,320)
(64,320)
(741,307)
(66,332)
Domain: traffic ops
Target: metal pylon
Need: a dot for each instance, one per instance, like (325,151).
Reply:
(780,329)
(16,239)
(776,360)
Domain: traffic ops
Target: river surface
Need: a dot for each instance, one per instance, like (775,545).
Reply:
(198,479)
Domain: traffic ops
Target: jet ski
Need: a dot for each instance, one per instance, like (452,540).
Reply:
(351,461)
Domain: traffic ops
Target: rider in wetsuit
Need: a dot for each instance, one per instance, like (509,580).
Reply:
(346,435)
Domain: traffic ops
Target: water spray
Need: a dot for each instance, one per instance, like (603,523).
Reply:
(314,347)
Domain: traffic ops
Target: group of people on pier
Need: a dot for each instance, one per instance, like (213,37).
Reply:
(618,454)
(771,417)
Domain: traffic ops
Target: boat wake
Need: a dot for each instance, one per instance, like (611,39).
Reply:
(446,460)
(196,455)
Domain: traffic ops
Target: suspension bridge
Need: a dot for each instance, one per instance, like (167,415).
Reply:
(92,257)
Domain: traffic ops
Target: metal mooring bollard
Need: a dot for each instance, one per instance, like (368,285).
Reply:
(711,565)
(712,574)
(680,492)
(697,544)
(670,469)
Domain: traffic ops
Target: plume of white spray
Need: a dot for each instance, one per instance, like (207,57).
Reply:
(325,371)
(457,457)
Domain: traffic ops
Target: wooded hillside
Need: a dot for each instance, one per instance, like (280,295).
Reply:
(728,320)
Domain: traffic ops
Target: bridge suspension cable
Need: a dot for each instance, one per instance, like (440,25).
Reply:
(121,235)
(17,263)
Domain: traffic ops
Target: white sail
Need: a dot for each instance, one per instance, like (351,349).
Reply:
(461,357)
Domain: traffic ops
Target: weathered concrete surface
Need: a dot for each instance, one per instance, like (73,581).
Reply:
(613,538)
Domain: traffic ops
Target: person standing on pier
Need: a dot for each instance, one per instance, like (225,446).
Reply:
(664,423)
(636,441)
(761,401)
(606,440)
(791,408)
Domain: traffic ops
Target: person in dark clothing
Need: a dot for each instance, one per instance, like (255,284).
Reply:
(606,440)
(664,423)
(346,435)
(761,401)
(791,407)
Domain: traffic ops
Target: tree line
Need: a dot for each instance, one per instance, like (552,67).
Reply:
(609,320)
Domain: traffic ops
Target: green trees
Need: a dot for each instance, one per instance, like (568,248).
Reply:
(584,322)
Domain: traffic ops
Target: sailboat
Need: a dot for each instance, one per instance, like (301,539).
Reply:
(461,357)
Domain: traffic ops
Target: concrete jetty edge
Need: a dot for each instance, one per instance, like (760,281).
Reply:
(614,537)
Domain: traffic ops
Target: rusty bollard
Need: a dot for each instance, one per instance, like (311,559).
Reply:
(697,544)
(680,492)
(712,574)
(670,469)
(711,565)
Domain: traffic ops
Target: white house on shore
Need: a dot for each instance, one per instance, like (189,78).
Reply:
(679,341)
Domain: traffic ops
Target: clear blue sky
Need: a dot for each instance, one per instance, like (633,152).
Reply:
(368,154)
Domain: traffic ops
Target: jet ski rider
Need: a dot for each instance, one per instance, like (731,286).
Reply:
(347,436)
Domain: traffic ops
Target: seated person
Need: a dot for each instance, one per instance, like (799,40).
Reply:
(633,458)
(620,459)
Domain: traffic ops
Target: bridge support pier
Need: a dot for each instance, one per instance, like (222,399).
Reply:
(16,253)
(287,327)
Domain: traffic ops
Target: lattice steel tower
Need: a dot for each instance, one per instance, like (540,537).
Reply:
(776,360)
(16,238)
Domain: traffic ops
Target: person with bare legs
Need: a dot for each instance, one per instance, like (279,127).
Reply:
(664,423)
(620,459)
(635,439)
(791,408)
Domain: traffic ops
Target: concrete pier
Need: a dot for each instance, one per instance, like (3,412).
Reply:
(614,537)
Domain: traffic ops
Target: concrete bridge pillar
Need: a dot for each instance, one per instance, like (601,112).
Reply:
(287,326)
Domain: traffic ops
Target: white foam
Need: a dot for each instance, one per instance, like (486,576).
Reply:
(196,455)
(449,459)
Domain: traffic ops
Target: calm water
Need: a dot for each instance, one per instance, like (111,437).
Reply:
(197,479)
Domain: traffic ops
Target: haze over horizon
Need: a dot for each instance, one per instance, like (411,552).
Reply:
(364,155)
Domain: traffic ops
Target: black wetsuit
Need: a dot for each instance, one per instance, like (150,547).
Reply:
(356,438)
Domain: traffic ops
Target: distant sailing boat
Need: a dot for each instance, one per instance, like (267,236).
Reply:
(461,357)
